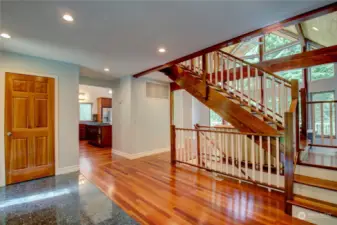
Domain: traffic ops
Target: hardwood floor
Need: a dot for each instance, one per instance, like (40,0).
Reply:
(153,192)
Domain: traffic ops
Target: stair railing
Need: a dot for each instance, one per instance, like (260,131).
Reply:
(252,84)
(239,155)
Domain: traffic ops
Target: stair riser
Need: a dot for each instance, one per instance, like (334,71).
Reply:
(316,193)
(313,217)
(316,172)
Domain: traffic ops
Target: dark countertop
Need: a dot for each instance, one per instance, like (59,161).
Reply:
(97,124)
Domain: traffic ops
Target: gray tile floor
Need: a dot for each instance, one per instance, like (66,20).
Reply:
(64,199)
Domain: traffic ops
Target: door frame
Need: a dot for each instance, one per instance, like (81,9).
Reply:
(3,72)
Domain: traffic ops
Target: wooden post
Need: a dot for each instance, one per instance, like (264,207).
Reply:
(289,160)
(295,95)
(173,144)
(304,112)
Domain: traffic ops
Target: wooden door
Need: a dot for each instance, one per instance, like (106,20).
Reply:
(29,127)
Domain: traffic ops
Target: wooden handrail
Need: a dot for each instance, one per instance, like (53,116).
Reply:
(228,132)
(255,66)
(293,106)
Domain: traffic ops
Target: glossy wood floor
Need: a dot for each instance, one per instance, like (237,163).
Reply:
(153,192)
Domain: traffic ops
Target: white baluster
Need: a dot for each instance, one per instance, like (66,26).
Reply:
(257,92)
(226,149)
(261,160)
(269,162)
(234,77)
(281,103)
(227,73)
(232,155)
(253,157)
(277,162)
(246,157)
(239,151)
(273,97)
(242,88)
(248,74)
(322,124)
(313,123)
(222,66)
(331,132)
(182,145)
(216,67)
(265,99)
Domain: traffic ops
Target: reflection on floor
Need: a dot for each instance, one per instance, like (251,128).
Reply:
(320,156)
(64,199)
(153,192)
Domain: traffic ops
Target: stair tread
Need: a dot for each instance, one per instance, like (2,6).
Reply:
(316,182)
(315,205)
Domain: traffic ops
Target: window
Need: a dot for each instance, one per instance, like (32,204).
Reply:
(215,119)
(325,107)
(322,72)
(291,50)
(273,41)
(292,74)
(85,111)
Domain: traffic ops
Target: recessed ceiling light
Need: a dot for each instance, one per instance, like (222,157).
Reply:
(5,35)
(315,28)
(161,50)
(68,17)
(106,69)
(110,91)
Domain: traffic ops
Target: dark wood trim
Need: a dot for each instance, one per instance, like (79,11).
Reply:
(324,146)
(316,182)
(315,205)
(173,145)
(301,60)
(304,114)
(276,26)
(174,87)
(317,102)
(289,160)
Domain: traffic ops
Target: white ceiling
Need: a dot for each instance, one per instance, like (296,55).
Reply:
(124,35)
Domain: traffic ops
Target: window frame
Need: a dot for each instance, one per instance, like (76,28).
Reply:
(311,99)
(334,72)
(87,103)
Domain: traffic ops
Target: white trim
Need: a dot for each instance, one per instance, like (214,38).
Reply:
(141,154)
(68,169)
(3,71)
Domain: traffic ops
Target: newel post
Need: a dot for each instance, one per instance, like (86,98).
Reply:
(295,95)
(173,144)
(289,160)
(304,112)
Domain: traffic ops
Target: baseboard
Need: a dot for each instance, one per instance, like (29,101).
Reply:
(68,169)
(141,154)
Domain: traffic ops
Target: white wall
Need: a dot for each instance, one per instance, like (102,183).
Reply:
(150,119)
(91,94)
(121,116)
(188,110)
(66,116)
(140,124)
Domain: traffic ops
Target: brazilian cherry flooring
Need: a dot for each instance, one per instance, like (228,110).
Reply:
(151,191)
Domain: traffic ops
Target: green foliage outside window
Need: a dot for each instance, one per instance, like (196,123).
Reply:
(322,72)
(273,41)
(284,52)
(215,119)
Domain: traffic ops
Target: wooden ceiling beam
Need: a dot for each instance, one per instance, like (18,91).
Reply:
(301,60)
(276,26)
